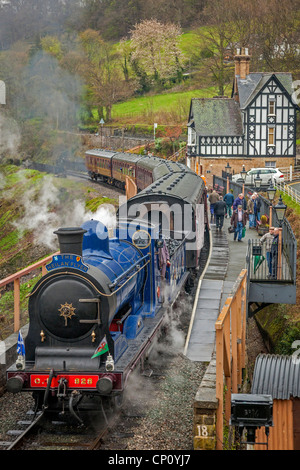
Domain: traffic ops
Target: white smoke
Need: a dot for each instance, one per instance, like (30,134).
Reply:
(44,213)
(9,135)
(173,336)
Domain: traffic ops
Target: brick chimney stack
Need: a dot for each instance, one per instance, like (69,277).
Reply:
(242,62)
(242,67)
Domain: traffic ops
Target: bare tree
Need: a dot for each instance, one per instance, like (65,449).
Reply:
(216,37)
(103,73)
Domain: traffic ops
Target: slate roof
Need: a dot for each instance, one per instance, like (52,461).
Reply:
(254,82)
(216,117)
(276,375)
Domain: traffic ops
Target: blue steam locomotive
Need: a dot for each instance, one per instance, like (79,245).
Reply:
(95,314)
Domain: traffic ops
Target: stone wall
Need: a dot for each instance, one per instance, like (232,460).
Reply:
(209,166)
(108,139)
(205,408)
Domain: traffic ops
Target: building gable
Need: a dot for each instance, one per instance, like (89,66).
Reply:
(272,84)
(270,120)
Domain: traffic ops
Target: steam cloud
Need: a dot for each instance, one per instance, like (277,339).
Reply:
(44,213)
(9,135)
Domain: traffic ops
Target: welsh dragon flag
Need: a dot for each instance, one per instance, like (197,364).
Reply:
(102,348)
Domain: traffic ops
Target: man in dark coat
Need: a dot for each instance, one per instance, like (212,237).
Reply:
(238,220)
(274,254)
(220,211)
(240,200)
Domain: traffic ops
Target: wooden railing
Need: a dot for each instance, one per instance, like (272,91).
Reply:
(15,279)
(230,352)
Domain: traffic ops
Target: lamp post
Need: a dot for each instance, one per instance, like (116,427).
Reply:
(101,122)
(243,177)
(154,127)
(227,170)
(271,195)
(280,209)
(257,182)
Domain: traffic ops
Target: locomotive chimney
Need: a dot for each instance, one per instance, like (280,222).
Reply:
(70,240)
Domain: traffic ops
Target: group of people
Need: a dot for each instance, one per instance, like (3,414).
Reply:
(239,211)
(228,206)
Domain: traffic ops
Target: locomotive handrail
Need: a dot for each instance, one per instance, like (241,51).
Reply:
(125,273)
(60,273)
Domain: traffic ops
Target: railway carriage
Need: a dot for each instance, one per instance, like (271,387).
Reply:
(178,203)
(124,164)
(144,171)
(98,164)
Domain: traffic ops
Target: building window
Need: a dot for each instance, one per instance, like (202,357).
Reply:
(270,164)
(191,136)
(271,136)
(271,107)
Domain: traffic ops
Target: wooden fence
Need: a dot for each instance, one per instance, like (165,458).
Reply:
(16,280)
(230,352)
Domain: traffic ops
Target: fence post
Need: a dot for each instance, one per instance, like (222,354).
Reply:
(16,304)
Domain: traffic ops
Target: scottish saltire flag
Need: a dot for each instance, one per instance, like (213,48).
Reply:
(20,345)
(102,348)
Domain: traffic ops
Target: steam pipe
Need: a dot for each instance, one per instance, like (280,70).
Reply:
(45,403)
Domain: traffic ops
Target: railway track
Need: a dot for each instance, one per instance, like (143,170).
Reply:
(43,433)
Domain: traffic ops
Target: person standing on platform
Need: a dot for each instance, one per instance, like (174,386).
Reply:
(274,254)
(229,200)
(257,206)
(220,211)
(213,198)
(250,209)
(240,200)
(239,220)
(268,239)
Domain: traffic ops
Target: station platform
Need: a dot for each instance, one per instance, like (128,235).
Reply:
(226,260)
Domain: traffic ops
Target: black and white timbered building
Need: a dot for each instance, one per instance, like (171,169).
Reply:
(256,125)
